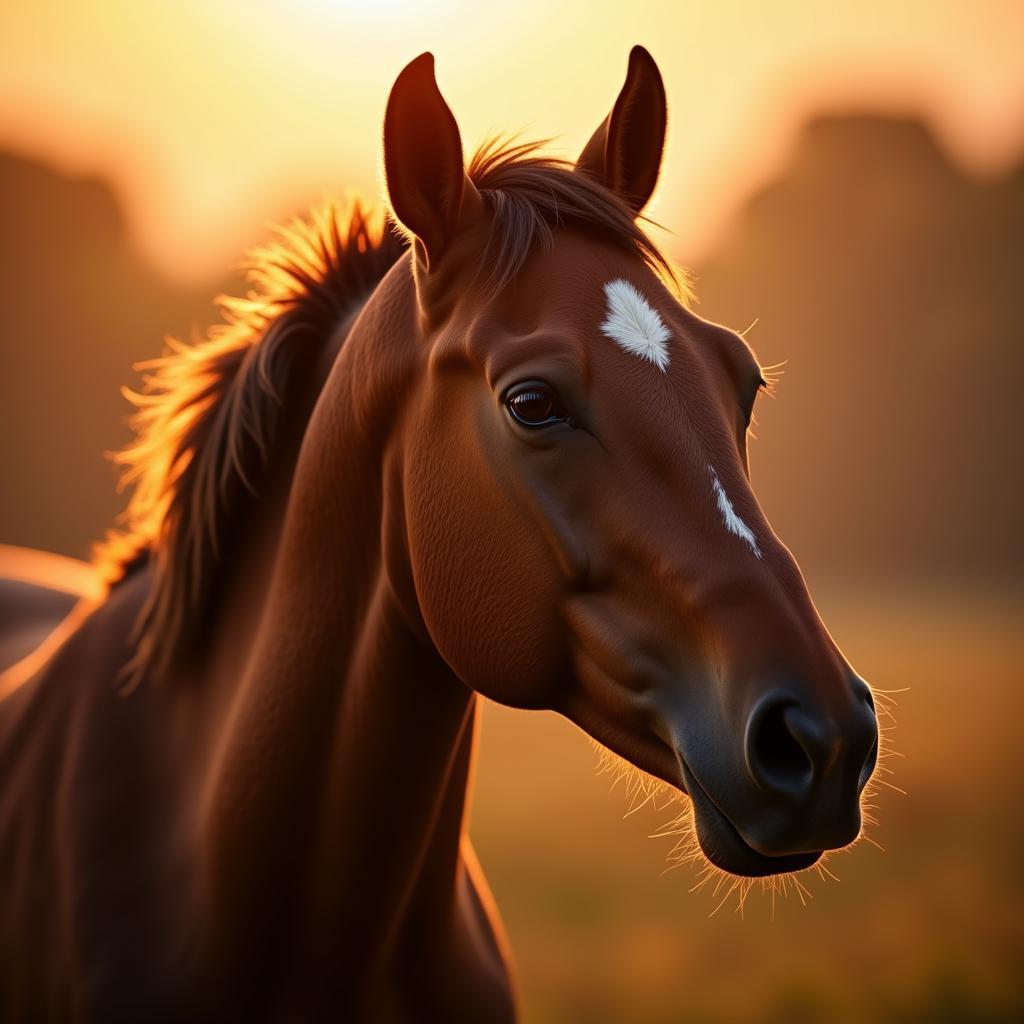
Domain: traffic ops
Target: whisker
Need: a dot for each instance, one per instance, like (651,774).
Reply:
(825,870)
(721,904)
(889,785)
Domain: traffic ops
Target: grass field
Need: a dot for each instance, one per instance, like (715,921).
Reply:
(930,930)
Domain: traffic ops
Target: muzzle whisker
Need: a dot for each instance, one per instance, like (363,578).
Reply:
(889,785)
(643,790)
(731,890)
(823,871)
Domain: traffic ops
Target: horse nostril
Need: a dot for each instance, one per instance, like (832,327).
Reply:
(777,750)
(868,768)
(871,732)
(863,691)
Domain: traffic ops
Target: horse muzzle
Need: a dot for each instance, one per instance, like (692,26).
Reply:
(795,790)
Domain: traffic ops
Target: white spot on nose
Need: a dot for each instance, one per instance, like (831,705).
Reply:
(634,324)
(733,523)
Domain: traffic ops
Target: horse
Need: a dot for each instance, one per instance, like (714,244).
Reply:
(477,446)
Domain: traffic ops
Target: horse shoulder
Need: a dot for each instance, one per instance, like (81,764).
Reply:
(91,865)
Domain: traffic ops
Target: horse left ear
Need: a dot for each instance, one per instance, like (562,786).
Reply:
(625,151)
(427,184)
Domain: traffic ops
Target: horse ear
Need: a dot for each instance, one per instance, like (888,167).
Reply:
(625,151)
(426,180)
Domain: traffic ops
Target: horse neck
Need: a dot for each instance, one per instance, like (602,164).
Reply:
(338,789)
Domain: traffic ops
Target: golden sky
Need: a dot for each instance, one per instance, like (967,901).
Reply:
(212,117)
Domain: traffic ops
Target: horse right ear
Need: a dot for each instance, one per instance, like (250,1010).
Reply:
(625,152)
(427,183)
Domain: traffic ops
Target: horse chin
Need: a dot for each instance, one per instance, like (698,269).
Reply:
(723,845)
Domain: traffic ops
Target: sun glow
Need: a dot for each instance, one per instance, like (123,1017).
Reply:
(362,9)
(213,118)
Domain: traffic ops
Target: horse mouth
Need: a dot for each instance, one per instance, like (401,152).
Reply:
(723,845)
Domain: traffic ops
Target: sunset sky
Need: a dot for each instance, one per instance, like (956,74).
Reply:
(212,117)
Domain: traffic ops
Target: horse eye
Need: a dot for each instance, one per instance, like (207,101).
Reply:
(534,404)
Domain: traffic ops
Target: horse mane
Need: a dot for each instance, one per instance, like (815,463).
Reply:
(531,195)
(209,412)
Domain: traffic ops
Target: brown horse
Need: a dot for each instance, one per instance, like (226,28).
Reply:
(503,459)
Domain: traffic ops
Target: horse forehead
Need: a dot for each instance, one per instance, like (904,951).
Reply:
(569,320)
(564,287)
(562,293)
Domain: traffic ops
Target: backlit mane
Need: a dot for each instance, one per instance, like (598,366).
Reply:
(209,413)
(531,195)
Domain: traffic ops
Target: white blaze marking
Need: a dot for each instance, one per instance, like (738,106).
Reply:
(634,324)
(732,521)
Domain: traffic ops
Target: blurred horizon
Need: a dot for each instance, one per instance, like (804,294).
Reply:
(210,120)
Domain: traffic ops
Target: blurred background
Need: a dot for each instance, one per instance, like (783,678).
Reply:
(847,178)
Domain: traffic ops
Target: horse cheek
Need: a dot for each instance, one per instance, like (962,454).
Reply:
(485,581)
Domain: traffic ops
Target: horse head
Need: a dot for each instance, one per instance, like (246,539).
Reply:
(581,527)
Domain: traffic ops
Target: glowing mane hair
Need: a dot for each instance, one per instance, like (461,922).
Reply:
(209,413)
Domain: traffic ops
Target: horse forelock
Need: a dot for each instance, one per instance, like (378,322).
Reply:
(532,195)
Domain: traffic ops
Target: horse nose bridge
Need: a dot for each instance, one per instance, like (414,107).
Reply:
(758,623)
(748,616)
